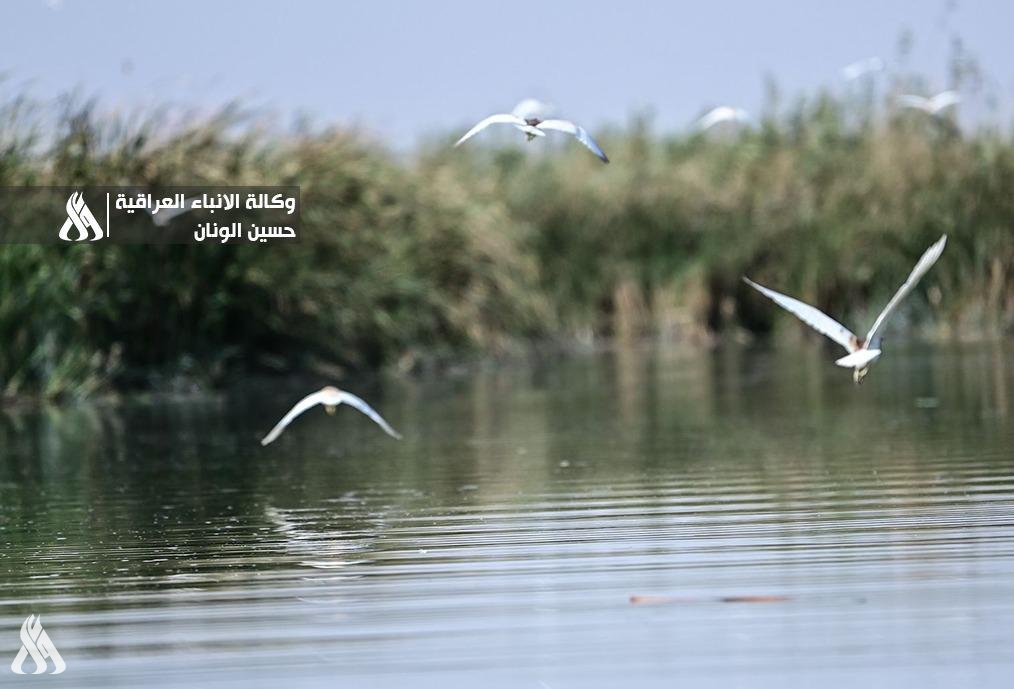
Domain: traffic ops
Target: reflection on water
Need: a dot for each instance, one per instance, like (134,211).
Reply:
(776,525)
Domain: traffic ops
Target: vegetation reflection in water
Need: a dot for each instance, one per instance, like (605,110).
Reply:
(501,542)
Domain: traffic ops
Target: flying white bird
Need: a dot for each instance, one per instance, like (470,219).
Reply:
(861,353)
(722,113)
(530,108)
(330,397)
(933,105)
(534,126)
(860,68)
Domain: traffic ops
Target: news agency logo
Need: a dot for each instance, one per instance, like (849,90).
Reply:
(81,218)
(72,215)
(35,642)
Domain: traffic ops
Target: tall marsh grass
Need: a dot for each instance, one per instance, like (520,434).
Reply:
(483,247)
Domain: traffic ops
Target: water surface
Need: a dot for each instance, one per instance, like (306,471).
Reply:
(776,525)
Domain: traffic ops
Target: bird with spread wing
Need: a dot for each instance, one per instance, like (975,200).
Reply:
(722,114)
(330,397)
(861,352)
(524,118)
(933,105)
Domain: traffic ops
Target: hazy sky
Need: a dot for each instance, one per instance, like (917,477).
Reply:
(405,68)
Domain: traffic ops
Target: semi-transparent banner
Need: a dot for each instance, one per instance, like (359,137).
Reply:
(135,215)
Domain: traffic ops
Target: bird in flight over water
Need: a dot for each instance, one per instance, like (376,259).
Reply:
(861,352)
(330,397)
(524,117)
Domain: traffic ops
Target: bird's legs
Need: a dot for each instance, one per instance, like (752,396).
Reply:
(530,136)
(329,408)
(860,373)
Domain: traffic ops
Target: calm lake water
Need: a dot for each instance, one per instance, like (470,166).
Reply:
(775,525)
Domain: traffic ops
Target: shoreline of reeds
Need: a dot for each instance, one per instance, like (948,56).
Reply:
(487,248)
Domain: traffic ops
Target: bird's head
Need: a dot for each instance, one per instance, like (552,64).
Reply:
(860,373)
(532,122)
(331,397)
